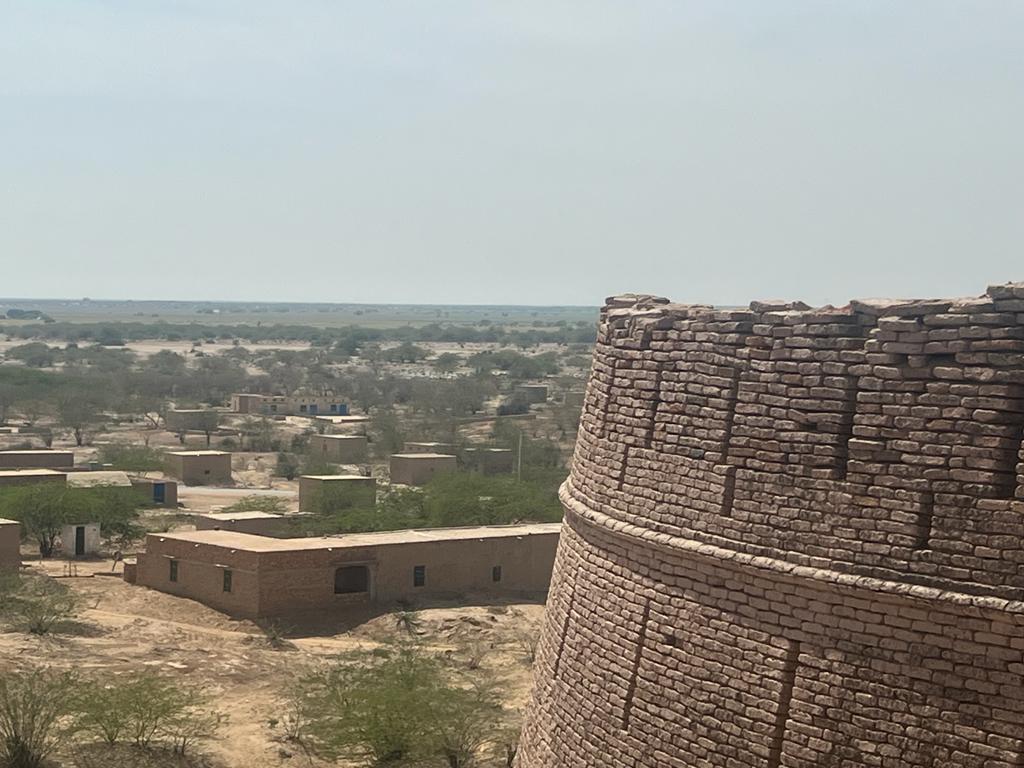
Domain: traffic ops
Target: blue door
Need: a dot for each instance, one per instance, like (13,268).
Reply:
(159,492)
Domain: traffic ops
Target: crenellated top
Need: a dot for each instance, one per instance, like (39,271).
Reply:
(882,438)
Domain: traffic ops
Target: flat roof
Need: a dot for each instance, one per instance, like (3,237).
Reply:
(252,543)
(253,514)
(5,521)
(337,477)
(96,478)
(200,453)
(421,456)
(342,437)
(46,451)
(31,473)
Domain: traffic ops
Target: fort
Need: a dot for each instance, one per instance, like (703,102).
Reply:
(793,537)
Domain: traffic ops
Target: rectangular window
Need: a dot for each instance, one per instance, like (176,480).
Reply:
(419,575)
(174,570)
(227,580)
(496,573)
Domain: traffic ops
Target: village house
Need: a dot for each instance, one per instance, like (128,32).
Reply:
(36,459)
(418,468)
(326,493)
(256,576)
(10,544)
(339,449)
(200,467)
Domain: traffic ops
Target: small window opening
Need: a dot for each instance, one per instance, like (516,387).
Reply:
(496,573)
(227,581)
(351,580)
(419,575)
(174,570)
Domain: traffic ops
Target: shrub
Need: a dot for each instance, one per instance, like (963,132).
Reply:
(131,458)
(36,604)
(255,503)
(146,709)
(35,716)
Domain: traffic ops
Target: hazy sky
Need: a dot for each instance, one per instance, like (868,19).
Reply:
(523,151)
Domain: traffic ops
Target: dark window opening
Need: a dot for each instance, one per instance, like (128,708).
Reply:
(923,524)
(419,575)
(227,581)
(496,573)
(174,570)
(351,580)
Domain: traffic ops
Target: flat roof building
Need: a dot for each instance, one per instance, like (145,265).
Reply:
(252,522)
(329,493)
(80,540)
(255,576)
(490,461)
(36,459)
(158,491)
(10,544)
(9,477)
(339,449)
(418,468)
(200,467)
(533,393)
(429,447)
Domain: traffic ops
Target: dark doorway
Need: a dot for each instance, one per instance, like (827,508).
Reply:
(351,580)
(79,540)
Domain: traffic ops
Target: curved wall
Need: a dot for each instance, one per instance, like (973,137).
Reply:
(794,537)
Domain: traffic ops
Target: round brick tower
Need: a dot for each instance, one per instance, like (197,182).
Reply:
(793,537)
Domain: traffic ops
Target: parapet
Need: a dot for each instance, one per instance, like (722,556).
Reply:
(880,439)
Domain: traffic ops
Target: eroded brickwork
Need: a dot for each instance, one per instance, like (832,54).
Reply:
(794,537)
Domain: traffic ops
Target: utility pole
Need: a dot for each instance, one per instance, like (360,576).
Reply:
(519,463)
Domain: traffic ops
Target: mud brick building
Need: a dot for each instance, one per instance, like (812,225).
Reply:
(256,576)
(339,449)
(418,468)
(794,538)
(36,459)
(252,522)
(327,493)
(9,477)
(490,461)
(200,467)
(10,545)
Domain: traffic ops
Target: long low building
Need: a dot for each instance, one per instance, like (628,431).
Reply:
(10,545)
(36,459)
(9,477)
(255,576)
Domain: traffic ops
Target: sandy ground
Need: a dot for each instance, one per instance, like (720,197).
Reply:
(125,628)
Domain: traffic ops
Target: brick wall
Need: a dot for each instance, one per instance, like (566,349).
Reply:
(10,544)
(794,537)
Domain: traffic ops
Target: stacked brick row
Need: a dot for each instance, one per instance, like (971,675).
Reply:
(794,537)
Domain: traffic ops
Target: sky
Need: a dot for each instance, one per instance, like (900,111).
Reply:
(512,151)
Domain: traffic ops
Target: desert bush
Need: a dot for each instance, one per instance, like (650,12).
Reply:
(288,466)
(397,708)
(131,458)
(36,604)
(256,503)
(36,716)
(145,710)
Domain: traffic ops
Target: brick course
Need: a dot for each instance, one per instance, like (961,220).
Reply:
(794,537)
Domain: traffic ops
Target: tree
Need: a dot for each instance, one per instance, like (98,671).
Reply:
(43,509)
(447,362)
(79,410)
(207,422)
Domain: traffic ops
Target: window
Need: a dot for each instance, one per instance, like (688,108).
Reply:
(351,580)
(174,570)
(227,580)
(496,573)
(419,575)
(302,409)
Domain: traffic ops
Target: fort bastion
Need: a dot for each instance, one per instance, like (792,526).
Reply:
(794,537)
